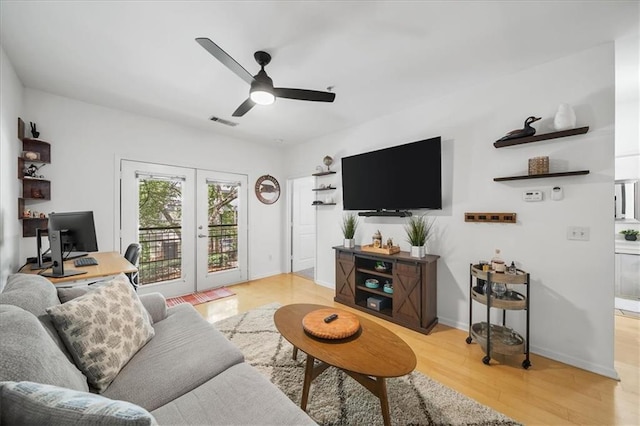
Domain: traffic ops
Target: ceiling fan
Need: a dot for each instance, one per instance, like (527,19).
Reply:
(262,91)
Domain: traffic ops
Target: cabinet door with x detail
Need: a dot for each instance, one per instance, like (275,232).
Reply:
(407,293)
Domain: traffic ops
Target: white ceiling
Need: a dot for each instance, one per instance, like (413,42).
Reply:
(380,57)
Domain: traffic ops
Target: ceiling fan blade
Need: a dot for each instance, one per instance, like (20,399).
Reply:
(244,108)
(304,95)
(226,60)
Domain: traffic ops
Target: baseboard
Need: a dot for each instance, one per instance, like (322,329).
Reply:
(265,275)
(325,284)
(565,359)
(576,362)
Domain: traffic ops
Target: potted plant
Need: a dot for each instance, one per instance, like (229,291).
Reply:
(349,225)
(630,234)
(418,232)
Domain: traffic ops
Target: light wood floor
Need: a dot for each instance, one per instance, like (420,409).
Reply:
(549,393)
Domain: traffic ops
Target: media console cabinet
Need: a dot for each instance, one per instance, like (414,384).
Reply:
(413,301)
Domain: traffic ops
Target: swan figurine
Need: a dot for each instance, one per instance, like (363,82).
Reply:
(527,130)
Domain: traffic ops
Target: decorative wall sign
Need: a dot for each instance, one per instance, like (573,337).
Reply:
(267,189)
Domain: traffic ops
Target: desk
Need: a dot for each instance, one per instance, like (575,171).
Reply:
(109,264)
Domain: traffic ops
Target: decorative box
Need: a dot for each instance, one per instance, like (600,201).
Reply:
(378,303)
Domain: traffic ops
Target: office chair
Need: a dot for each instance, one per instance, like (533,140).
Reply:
(132,254)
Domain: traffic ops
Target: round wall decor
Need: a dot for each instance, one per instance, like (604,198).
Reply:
(267,189)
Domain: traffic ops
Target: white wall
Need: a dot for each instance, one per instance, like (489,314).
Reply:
(572,281)
(87,140)
(10,147)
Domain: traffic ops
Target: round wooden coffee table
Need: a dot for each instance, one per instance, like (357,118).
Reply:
(369,356)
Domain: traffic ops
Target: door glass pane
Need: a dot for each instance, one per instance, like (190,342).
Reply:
(223,226)
(160,229)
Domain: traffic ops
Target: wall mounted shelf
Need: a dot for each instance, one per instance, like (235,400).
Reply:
(329,200)
(490,217)
(540,176)
(34,189)
(542,137)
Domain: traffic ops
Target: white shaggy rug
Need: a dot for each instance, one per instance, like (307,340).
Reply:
(337,399)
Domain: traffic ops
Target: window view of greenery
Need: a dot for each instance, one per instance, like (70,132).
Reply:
(223,226)
(160,229)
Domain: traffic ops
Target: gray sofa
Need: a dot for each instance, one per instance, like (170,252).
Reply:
(188,373)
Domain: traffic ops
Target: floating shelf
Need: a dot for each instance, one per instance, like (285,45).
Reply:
(538,138)
(545,175)
(324,173)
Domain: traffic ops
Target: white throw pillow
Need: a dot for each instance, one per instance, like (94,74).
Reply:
(103,329)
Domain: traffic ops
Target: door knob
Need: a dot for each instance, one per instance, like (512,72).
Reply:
(202,236)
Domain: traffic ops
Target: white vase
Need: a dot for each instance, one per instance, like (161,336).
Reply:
(349,243)
(418,251)
(565,118)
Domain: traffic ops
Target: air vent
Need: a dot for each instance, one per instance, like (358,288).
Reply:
(223,121)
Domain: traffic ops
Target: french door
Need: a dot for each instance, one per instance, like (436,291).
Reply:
(222,228)
(191,224)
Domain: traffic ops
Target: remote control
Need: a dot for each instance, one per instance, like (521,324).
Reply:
(330,318)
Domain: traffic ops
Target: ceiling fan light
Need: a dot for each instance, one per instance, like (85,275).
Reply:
(262,97)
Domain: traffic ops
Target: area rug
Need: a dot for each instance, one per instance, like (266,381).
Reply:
(201,296)
(337,399)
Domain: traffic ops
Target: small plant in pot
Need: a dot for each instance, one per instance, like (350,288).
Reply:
(349,226)
(630,234)
(418,232)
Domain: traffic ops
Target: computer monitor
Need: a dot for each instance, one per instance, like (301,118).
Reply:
(77,230)
(57,260)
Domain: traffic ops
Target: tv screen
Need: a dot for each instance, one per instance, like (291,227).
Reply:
(402,177)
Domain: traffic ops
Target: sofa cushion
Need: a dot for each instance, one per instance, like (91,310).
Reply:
(28,403)
(238,396)
(103,329)
(28,353)
(185,352)
(34,294)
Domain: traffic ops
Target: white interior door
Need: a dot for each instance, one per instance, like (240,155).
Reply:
(157,210)
(303,227)
(222,229)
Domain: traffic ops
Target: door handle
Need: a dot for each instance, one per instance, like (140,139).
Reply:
(202,236)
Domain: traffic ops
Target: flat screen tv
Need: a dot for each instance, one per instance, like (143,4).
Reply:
(403,177)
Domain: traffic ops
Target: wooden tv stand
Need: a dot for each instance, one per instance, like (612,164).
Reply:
(413,303)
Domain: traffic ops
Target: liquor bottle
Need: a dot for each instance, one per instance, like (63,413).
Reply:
(497,264)
(512,268)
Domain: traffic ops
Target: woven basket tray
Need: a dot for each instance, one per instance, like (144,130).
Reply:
(346,325)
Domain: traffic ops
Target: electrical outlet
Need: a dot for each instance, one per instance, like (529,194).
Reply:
(534,195)
(580,233)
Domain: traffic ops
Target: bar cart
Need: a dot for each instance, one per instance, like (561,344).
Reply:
(492,290)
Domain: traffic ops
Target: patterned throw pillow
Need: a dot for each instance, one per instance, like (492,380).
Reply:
(29,403)
(103,329)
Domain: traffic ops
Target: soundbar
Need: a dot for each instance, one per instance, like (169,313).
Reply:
(396,213)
